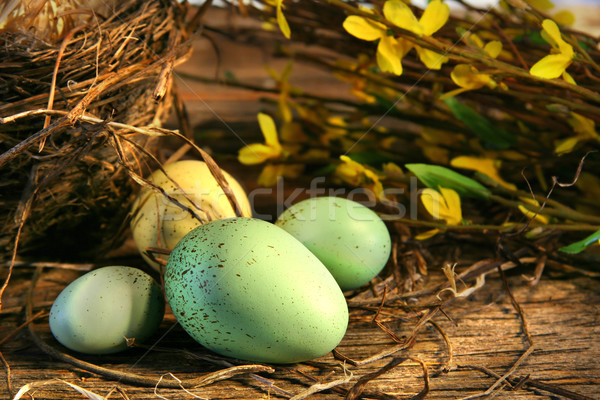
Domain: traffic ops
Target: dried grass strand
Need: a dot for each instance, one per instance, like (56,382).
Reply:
(8,376)
(449,364)
(359,386)
(321,387)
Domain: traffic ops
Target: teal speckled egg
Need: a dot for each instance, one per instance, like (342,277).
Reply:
(245,288)
(97,311)
(349,238)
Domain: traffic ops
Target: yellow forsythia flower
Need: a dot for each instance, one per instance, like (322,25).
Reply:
(564,17)
(444,205)
(584,128)
(543,5)
(554,65)
(257,153)
(272,172)
(531,214)
(281,21)
(486,166)
(391,50)
(467,77)
(358,175)
(434,17)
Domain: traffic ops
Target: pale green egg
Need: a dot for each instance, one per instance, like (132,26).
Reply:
(99,311)
(245,288)
(349,238)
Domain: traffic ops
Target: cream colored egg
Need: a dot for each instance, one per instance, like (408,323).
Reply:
(191,197)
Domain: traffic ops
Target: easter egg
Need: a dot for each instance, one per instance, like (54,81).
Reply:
(349,238)
(244,288)
(191,197)
(96,312)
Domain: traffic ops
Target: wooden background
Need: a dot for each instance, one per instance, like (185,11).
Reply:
(485,331)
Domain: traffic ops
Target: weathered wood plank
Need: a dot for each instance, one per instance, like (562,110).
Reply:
(563,316)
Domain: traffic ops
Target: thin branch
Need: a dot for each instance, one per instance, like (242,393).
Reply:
(8,374)
(449,364)
(421,395)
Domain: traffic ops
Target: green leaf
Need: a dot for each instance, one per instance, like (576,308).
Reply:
(583,45)
(495,137)
(461,31)
(579,246)
(326,170)
(371,158)
(536,38)
(532,37)
(435,176)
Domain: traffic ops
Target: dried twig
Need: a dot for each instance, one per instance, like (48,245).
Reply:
(406,344)
(528,382)
(533,383)
(14,252)
(39,314)
(449,364)
(320,387)
(425,390)
(380,324)
(359,386)
(8,374)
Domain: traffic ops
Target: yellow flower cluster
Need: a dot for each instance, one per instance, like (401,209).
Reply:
(358,175)
(391,49)
(466,76)
(555,64)
(258,153)
(478,145)
(442,205)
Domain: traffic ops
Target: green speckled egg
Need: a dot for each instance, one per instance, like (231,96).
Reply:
(245,288)
(97,311)
(349,238)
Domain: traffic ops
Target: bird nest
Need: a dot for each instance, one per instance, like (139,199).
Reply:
(75,93)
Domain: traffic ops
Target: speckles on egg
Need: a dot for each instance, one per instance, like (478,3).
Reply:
(276,300)
(349,238)
(96,312)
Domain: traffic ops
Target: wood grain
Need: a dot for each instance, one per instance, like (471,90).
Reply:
(484,331)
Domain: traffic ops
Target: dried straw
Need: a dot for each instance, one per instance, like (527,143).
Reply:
(63,174)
